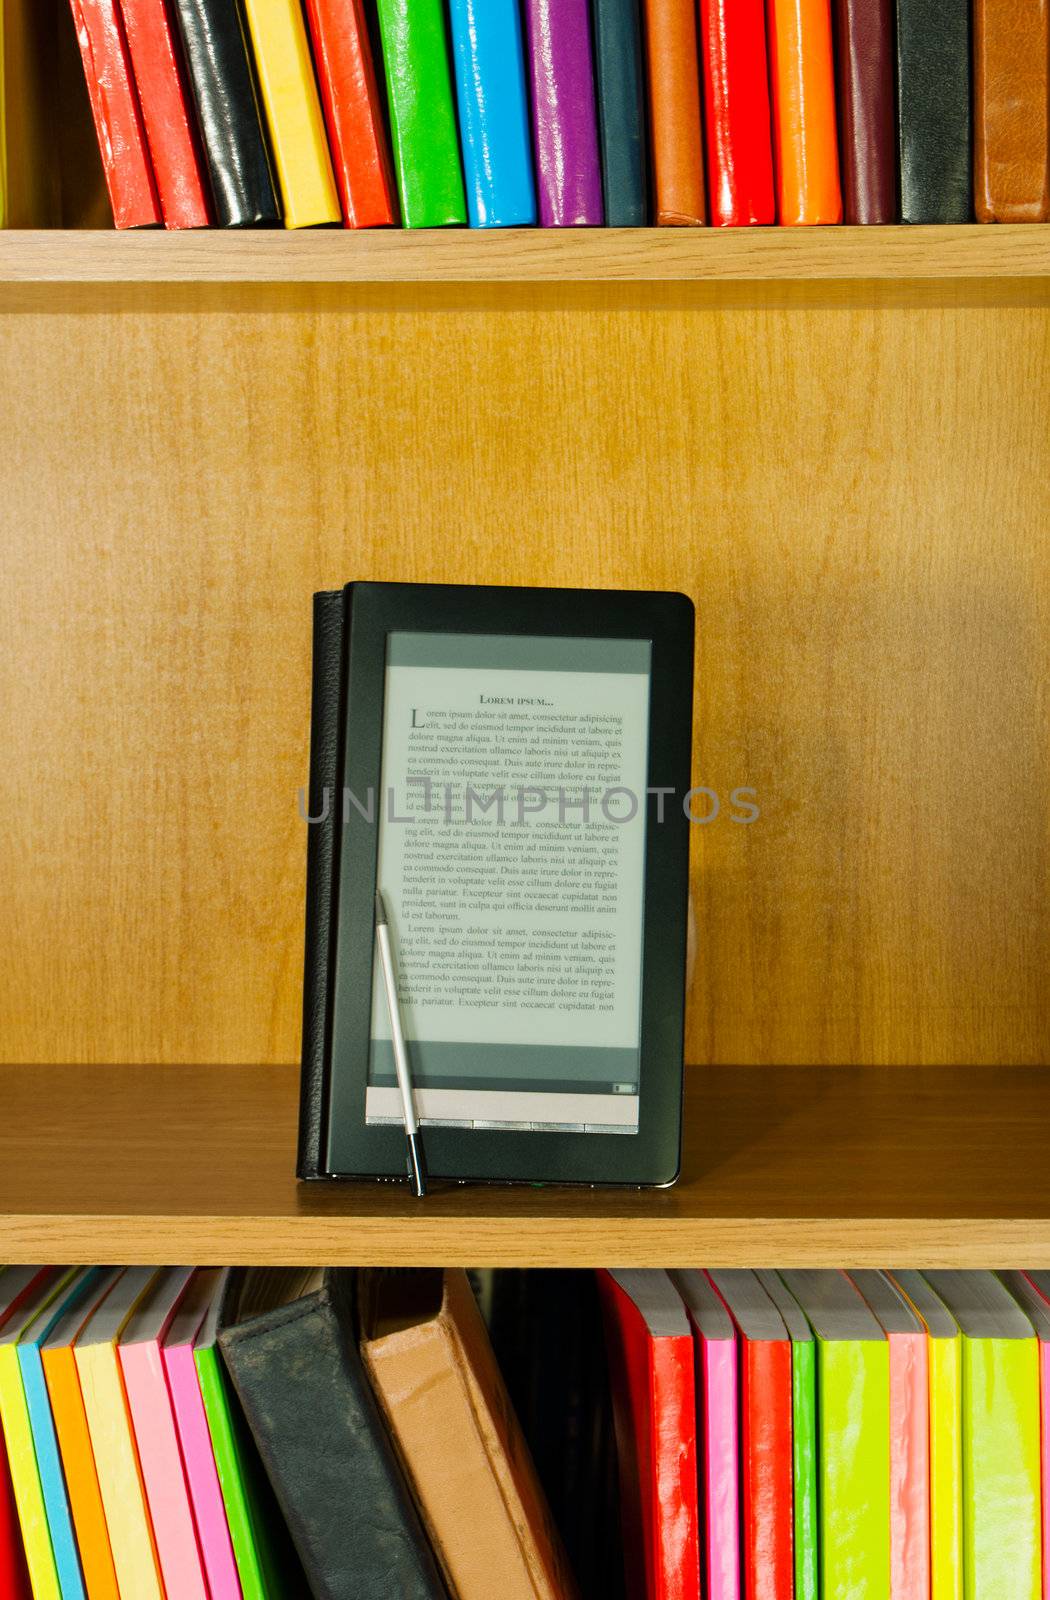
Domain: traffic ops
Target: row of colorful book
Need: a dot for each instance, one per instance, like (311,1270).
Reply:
(569,112)
(208,1434)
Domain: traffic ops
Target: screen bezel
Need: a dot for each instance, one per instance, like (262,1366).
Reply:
(351,1147)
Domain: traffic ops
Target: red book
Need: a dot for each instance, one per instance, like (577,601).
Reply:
(650,1345)
(767,1468)
(14,1577)
(115,108)
(352,111)
(167,114)
(736,101)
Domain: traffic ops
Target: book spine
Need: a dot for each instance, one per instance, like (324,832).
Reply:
(721,1456)
(167,114)
(677,1529)
(864,68)
(736,97)
(422,114)
(674,109)
(353,113)
(564,115)
(804,1452)
(116,112)
(1012,110)
(946,1560)
(767,1521)
(854,1421)
(493,112)
(805,136)
(324,801)
(222,83)
(293,113)
(909,1468)
(934,110)
(1001,1468)
(620,83)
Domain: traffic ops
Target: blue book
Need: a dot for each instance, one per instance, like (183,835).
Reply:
(489,58)
(45,1442)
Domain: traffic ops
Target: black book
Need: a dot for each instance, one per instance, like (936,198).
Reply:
(620,83)
(222,81)
(289,1341)
(934,116)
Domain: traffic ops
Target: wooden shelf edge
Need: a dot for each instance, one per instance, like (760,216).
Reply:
(526,255)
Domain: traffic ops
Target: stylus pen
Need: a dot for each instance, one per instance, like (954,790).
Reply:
(417,1164)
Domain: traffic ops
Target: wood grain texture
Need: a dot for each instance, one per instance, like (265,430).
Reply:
(855,498)
(551,255)
(799,1166)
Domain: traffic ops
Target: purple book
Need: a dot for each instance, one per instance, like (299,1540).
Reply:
(565,126)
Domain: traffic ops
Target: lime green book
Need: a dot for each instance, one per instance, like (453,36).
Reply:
(423,129)
(803,1436)
(853,1431)
(1001,1477)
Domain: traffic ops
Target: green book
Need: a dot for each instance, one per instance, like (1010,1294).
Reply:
(803,1436)
(853,1430)
(422,113)
(1001,1468)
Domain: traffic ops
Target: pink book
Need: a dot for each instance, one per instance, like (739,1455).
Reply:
(909,1435)
(1032,1291)
(714,1340)
(156,1436)
(194,1438)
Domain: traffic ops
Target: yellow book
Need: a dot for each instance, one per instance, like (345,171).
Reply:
(21,1452)
(112,1438)
(293,112)
(944,1352)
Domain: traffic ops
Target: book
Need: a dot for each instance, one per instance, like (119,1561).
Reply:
(944,1364)
(736,102)
(1036,1307)
(264,1564)
(934,111)
(221,76)
(619,71)
(73,1295)
(489,60)
(14,1575)
(74,1441)
(909,1435)
(853,1410)
(116,112)
(293,113)
(867,125)
(167,114)
(17,1314)
(1011,91)
(156,1435)
(1001,1453)
(112,1437)
(716,1377)
(804,1448)
(422,114)
(674,112)
(805,137)
(289,1342)
(357,137)
(766,1454)
(430,1361)
(195,1445)
(564,115)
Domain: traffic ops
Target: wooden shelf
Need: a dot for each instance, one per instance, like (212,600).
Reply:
(822,1166)
(526,255)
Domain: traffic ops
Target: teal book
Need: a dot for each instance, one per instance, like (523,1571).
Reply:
(803,1436)
(422,112)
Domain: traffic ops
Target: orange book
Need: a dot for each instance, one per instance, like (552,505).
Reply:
(74,1443)
(805,137)
(674,110)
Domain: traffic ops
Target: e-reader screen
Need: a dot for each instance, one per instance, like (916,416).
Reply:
(511,858)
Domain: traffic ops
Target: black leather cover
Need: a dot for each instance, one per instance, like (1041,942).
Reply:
(620,79)
(222,82)
(325,720)
(310,1407)
(934,110)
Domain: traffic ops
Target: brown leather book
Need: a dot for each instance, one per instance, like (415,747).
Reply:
(867,126)
(674,112)
(1011,168)
(428,1355)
